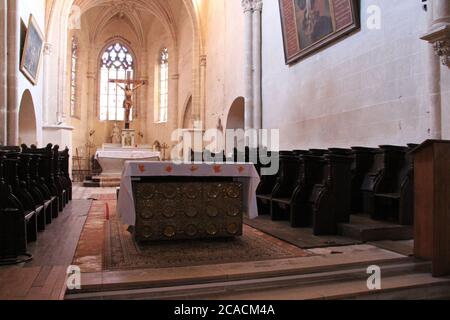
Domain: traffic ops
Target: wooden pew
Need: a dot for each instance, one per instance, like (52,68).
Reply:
(383,174)
(265,188)
(42,205)
(330,201)
(311,173)
(34,212)
(38,181)
(59,180)
(46,173)
(64,158)
(394,197)
(362,163)
(288,179)
(13,235)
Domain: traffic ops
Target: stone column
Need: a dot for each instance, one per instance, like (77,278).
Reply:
(433,85)
(441,13)
(13,45)
(47,58)
(439,37)
(141,109)
(257,65)
(3,73)
(173,101)
(203,63)
(247,6)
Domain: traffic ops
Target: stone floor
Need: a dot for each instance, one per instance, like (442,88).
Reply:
(332,272)
(82,193)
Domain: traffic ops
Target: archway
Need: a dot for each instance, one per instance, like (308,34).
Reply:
(27,120)
(236,115)
(235,121)
(187,119)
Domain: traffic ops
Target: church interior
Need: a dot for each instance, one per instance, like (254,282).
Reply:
(224,149)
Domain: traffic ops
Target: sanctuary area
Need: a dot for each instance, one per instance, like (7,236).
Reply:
(224,149)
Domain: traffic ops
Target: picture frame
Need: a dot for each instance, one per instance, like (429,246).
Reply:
(32,51)
(311,25)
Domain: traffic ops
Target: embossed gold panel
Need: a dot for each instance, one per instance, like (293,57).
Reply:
(188,210)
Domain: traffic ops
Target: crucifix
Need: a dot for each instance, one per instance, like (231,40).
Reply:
(129,86)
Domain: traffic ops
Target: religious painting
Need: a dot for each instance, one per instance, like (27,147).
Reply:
(32,51)
(310,25)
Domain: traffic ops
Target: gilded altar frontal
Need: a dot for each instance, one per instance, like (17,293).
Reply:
(188,210)
(262,153)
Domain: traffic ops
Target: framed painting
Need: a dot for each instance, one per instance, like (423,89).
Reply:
(310,25)
(32,51)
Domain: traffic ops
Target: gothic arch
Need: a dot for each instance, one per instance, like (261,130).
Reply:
(27,120)
(236,114)
(186,119)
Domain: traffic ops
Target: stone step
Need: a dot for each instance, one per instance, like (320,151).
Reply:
(364,229)
(401,280)
(349,258)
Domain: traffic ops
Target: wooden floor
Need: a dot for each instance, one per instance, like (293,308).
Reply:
(44,277)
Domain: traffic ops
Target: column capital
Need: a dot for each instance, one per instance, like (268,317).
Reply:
(247,5)
(258,5)
(252,5)
(440,39)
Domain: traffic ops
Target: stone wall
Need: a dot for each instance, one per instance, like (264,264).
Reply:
(367,89)
(225,59)
(37,9)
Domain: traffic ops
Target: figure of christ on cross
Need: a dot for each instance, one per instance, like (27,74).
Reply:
(129,87)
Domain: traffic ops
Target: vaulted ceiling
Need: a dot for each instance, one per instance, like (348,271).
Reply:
(136,13)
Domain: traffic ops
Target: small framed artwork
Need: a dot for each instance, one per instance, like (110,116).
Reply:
(310,25)
(32,51)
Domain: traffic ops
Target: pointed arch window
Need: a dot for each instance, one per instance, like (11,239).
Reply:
(163,86)
(74,79)
(116,63)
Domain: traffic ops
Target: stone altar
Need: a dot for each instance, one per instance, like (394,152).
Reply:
(169,201)
(112,158)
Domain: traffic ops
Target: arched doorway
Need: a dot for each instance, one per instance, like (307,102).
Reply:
(27,120)
(236,115)
(187,119)
(235,121)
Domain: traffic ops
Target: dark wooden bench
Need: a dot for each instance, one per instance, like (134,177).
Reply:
(34,212)
(13,224)
(310,174)
(64,158)
(288,180)
(362,163)
(394,197)
(46,175)
(330,200)
(382,176)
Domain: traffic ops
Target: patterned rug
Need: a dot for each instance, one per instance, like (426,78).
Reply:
(106,245)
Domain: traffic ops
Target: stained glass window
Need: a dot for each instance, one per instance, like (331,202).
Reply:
(116,64)
(164,86)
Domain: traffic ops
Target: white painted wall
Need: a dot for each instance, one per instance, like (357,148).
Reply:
(225,58)
(367,89)
(37,8)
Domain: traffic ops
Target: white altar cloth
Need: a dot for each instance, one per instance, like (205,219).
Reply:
(113,161)
(245,173)
(127,154)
